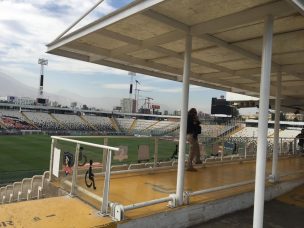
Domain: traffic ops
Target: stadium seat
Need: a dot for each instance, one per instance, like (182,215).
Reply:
(16,189)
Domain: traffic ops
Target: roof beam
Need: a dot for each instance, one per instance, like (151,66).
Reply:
(278,8)
(120,37)
(157,73)
(220,43)
(231,47)
(126,58)
(227,82)
(298,5)
(146,44)
(180,56)
(88,48)
(185,28)
(193,60)
(172,22)
(72,55)
(137,70)
(163,69)
(167,20)
(194,81)
(245,53)
(294,68)
(150,44)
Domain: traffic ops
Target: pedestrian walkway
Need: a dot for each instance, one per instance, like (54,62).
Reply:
(285,211)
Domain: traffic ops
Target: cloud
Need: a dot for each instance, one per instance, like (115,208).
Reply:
(36,23)
(28,25)
(115,86)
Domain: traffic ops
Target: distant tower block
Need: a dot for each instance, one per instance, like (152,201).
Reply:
(42,62)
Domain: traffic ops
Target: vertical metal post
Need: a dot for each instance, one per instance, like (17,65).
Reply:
(106,187)
(294,146)
(281,145)
(53,145)
(263,125)
(245,149)
(104,154)
(276,143)
(183,121)
(155,151)
(75,171)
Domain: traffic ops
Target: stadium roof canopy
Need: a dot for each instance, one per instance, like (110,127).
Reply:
(149,37)
(226,40)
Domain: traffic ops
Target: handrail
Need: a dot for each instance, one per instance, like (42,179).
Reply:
(200,192)
(107,136)
(106,150)
(147,203)
(86,143)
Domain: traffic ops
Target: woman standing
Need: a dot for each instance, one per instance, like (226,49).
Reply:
(193,129)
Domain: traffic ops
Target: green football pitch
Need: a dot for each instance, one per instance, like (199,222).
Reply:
(31,153)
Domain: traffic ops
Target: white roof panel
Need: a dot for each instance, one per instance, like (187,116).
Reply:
(148,37)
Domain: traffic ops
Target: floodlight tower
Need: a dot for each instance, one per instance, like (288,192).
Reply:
(42,62)
(136,94)
(132,74)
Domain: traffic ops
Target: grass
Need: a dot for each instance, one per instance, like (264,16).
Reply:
(21,153)
(28,155)
(32,152)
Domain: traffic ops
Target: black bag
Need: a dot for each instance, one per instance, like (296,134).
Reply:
(198,129)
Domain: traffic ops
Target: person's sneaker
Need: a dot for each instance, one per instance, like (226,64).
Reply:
(199,162)
(191,169)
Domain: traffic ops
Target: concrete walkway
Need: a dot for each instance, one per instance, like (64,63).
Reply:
(286,211)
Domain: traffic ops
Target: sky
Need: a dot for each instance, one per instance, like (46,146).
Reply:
(28,25)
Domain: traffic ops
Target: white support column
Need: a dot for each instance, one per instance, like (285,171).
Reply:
(155,151)
(75,171)
(104,154)
(53,146)
(276,140)
(263,125)
(106,187)
(183,121)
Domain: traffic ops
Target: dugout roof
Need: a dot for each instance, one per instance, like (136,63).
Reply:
(149,37)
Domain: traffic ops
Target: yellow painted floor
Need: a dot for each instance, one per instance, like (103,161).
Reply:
(137,187)
(59,212)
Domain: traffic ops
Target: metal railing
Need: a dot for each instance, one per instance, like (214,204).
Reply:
(106,149)
(228,186)
(118,210)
